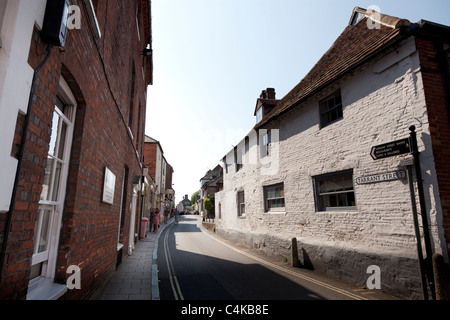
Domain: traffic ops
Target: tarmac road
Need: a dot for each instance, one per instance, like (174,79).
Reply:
(194,264)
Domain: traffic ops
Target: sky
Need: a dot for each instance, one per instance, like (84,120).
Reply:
(212,59)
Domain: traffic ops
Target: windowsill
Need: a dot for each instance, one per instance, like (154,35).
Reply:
(45,289)
(340,210)
(275,212)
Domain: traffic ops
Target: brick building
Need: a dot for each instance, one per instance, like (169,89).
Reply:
(72,146)
(305,170)
(162,173)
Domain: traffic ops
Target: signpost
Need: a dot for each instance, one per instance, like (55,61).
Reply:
(396,148)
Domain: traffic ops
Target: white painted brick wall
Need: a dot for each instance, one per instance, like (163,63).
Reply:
(381,101)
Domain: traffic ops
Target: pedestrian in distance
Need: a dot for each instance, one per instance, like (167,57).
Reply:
(156,219)
(152,214)
(177,215)
(166,215)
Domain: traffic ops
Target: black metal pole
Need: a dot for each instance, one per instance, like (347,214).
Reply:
(423,211)
(417,232)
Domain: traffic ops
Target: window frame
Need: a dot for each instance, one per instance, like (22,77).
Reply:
(267,207)
(264,138)
(259,115)
(330,177)
(44,262)
(3,6)
(337,107)
(240,203)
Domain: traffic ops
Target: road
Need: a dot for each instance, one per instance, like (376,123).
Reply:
(194,264)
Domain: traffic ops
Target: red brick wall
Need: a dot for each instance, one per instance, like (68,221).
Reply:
(150,157)
(438,104)
(98,73)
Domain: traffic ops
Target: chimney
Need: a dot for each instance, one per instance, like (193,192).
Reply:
(269,93)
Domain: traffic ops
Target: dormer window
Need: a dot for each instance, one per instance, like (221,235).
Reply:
(265,104)
(357,16)
(259,115)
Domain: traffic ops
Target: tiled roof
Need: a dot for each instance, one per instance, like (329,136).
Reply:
(356,45)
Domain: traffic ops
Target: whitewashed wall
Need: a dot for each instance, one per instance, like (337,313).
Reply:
(15,80)
(381,101)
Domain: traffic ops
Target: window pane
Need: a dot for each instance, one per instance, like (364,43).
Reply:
(57,181)
(55,122)
(62,140)
(331,109)
(47,179)
(44,232)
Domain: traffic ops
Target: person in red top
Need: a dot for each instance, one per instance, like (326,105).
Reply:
(156,219)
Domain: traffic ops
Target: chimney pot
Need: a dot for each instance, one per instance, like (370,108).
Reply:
(269,93)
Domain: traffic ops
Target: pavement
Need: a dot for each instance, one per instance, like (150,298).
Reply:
(137,276)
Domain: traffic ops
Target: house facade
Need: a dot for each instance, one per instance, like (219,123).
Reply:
(162,173)
(210,183)
(73,102)
(308,171)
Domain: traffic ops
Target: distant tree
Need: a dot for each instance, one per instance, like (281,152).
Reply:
(207,204)
(194,197)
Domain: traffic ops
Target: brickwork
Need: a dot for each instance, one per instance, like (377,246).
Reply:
(98,72)
(438,105)
(150,152)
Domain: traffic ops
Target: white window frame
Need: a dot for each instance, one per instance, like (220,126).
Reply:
(332,178)
(48,258)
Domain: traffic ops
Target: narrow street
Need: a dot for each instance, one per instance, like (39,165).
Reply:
(194,264)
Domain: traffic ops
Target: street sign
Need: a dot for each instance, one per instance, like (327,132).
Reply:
(391,149)
(382,177)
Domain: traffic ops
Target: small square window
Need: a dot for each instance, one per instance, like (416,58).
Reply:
(335,191)
(274,198)
(331,109)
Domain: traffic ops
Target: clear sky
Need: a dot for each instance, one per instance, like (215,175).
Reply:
(212,59)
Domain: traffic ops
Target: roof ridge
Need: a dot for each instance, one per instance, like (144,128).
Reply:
(383,19)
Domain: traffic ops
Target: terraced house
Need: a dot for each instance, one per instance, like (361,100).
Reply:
(326,165)
(73,91)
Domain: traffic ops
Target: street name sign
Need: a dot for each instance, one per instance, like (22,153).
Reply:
(391,149)
(382,177)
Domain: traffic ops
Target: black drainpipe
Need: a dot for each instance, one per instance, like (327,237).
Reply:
(20,159)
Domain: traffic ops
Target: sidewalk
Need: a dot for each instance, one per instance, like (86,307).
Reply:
(137,277)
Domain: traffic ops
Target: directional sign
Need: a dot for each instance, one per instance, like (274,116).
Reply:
(391,149)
